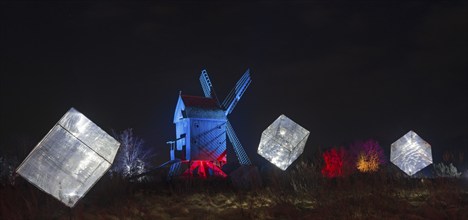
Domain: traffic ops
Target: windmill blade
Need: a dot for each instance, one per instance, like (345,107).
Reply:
(207,86)
(238,149)
(206,83)
(234,96)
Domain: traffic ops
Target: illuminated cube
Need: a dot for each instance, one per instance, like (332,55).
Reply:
(70,159)
(411,153)
(283,142)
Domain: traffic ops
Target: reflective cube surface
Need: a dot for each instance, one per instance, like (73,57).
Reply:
(411,153)
(283,142)
(70,159)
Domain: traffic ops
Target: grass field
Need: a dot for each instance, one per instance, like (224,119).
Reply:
(299,193)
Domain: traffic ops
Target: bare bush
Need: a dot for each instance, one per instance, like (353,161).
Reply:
(133,157)
(442,170)
(7,169)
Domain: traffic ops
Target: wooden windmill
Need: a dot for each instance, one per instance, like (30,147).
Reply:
(201,129)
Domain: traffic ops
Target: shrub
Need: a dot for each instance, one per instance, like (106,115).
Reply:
(335,160)
(7,169)
(368,156)
(442,170)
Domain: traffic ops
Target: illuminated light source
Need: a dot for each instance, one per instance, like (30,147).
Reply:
(283,142)
(70,159)
(203,169)
(411,153)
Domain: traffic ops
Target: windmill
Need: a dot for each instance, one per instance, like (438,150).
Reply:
(201,128)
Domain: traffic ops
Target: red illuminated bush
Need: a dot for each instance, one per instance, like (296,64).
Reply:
(335,163)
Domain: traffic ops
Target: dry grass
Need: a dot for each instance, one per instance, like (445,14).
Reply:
(299,193)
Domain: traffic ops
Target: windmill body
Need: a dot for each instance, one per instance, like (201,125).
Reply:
(202,131)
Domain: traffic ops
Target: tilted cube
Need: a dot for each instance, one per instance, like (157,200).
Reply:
(283,142)
(411,153)
(70,159)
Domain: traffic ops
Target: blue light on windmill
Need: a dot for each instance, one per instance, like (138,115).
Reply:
(283,142)
(202,129)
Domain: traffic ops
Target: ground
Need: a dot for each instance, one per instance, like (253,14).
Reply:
(299,193)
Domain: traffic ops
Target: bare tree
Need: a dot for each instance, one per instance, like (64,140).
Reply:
(133,157)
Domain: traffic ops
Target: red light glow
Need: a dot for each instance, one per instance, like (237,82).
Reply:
(334,160)
(203,169)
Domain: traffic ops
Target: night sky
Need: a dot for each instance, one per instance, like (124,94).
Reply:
(344,71)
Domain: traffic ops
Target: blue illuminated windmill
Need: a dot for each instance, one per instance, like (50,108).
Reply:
(201,130)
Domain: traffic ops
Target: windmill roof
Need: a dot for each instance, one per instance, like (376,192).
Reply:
(199,107)
(200,102)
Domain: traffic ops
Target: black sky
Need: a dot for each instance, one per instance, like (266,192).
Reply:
(345,71)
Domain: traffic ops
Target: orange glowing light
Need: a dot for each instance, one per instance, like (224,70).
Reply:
(368,163)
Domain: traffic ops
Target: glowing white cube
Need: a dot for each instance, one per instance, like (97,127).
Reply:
(70,159)
(283,142)
(411,153)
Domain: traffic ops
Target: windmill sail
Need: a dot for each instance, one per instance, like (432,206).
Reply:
(234,96)
(207,86)
(240,153)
